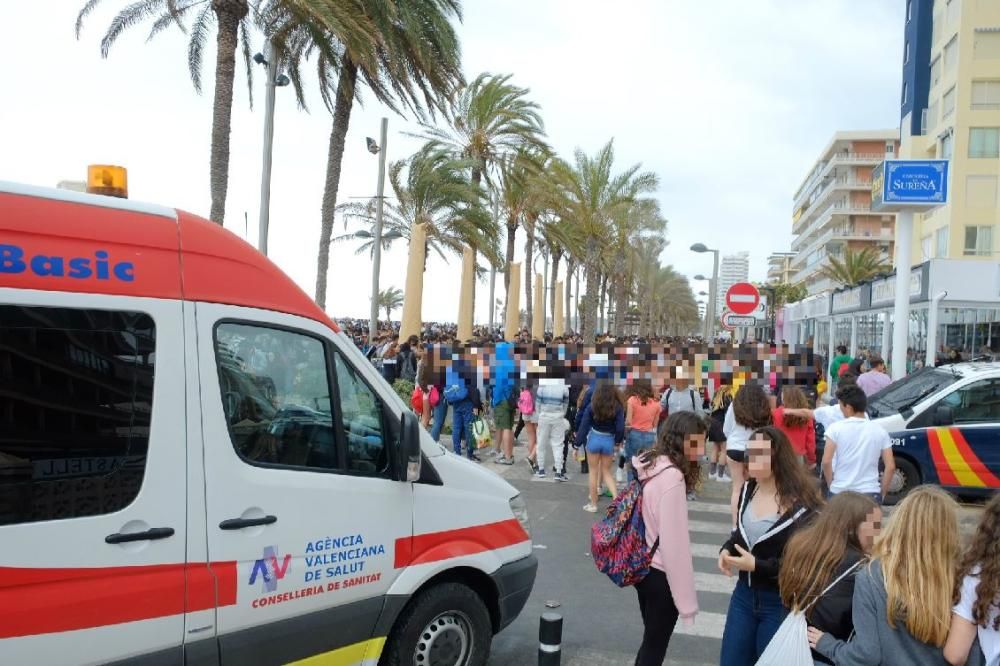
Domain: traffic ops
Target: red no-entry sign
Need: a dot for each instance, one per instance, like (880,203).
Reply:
(742,298)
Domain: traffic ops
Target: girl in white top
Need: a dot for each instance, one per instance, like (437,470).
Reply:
(978,609)
(750,409)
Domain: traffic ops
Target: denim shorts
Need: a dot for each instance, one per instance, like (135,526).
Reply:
(600,443)
(638,440)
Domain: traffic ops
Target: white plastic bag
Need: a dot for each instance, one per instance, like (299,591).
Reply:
(790,645)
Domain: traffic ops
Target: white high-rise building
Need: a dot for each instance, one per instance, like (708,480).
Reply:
(732,269)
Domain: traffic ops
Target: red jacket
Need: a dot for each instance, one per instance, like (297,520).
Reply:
(803,438)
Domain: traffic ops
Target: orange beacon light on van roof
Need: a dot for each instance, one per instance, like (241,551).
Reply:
(108,180)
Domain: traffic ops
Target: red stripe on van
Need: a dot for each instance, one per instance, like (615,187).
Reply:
(43,601)
(437,546)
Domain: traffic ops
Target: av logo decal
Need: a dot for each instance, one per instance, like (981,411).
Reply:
(269,569)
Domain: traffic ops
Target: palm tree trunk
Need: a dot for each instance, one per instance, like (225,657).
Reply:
(621,298)
(554,280)
(529,269)
(604,293)
(335,157)
(509,255)
(228,16)
(570,267)
(588,320)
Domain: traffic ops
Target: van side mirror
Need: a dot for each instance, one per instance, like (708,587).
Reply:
(409,455)
(944,415)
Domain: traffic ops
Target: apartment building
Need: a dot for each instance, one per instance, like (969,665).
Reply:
(950,102)
(779,268)
(832,208)
(733,268)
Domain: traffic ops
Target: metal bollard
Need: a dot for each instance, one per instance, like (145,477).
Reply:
(550,639)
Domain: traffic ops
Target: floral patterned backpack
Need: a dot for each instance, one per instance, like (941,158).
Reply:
(618,541)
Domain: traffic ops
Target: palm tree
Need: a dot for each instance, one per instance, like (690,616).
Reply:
(231,19)
(597,195)
(629,229)
(855,267)
(434,206)
(491,120)
(390,299)
(407,54)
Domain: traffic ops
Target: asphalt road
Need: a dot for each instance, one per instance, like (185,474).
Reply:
(601,623)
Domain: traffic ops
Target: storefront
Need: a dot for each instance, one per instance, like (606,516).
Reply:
(861,319)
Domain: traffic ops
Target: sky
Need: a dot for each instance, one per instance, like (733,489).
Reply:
(729,102)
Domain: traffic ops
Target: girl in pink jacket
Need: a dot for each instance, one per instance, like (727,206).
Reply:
(668,473)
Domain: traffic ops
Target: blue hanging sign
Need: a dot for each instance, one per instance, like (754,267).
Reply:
(909,184)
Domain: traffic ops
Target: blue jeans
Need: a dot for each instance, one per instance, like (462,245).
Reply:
(440,414)
(753,618)
(461,427)
(638,440)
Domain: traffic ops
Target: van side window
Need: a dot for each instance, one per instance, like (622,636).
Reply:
(276,396)
(362,413)
(76,394)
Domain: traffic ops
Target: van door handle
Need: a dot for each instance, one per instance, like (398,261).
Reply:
(151,534)
(240,523)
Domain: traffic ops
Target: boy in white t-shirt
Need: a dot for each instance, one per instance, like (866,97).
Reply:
(853,448)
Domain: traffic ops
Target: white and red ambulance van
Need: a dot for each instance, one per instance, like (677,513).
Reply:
(197,466)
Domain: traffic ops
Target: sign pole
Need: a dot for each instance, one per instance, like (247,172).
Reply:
(901,308)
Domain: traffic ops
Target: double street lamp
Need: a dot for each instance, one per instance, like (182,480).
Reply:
(713,288)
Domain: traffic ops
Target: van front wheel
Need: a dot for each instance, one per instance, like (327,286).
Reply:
(447,625)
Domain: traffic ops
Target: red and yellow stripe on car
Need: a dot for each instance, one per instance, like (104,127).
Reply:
(955,462)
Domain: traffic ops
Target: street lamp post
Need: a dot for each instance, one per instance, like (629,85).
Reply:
(714,285)
(377,249)
(273,80)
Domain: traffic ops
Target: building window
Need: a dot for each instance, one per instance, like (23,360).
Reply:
(947,143)
(906,52)
(978,241)
(925,248)
(75,412)
(906,92)
(890,148)
(936,71)
(936,28)
(948,103)
(985,95)
(951,54)
(981,192)
(952,10)
(941,242)
(909,10)
(984,142)
(986,45)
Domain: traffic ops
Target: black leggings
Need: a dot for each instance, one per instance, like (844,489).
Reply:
(659,617)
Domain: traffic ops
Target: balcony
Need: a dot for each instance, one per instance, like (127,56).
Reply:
(838,159)
(838,184)
(837,208)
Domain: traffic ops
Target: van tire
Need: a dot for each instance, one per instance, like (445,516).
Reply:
(911,479)
(443,605)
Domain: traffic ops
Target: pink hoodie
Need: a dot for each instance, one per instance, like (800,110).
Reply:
(664,511)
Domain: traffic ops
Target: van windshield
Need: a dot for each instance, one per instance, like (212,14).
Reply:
(905,393)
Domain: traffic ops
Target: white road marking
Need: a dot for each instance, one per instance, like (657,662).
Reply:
(706,625)
(708,507)
(710,527)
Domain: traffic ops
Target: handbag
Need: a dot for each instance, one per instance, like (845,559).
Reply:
(790,644)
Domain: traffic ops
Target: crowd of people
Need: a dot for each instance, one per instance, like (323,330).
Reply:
(807,540)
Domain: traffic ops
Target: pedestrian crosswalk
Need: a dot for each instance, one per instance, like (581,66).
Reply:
(709,524)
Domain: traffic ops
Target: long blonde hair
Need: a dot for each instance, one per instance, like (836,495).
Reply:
(918,550)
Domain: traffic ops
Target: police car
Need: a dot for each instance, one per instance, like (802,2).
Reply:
(945,428)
